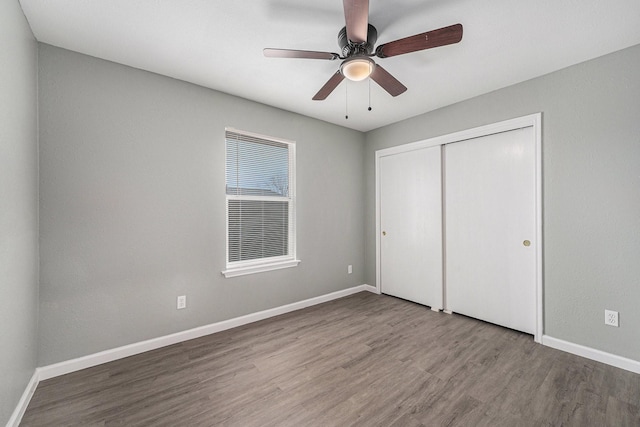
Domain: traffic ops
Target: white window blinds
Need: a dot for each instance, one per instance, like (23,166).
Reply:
(260,208)
(256,166)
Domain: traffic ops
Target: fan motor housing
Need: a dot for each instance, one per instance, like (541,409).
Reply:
(350,48)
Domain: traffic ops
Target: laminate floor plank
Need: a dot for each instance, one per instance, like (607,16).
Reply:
(621,413)
(363,360)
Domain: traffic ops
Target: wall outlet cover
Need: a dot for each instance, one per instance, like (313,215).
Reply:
(182,302)
(611,318)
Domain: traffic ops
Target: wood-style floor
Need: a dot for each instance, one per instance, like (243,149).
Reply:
(364,360)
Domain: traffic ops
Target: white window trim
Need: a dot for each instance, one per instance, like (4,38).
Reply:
(241,268)
(260,268)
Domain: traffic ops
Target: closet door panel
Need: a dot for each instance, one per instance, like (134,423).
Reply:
(490,196)
(411,226)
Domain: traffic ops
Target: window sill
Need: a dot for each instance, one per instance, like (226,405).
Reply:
(241,271)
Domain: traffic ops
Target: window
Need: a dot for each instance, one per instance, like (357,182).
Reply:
(260,193)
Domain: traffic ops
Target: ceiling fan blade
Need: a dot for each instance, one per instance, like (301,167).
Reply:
(292,53)
(441,37)
(356,16)
(329,86)
(387,81)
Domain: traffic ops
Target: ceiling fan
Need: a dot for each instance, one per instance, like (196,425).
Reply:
(357,40)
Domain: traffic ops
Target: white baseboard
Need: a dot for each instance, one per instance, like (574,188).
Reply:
(95,359)
(592,353)
(18,413)
(370,288)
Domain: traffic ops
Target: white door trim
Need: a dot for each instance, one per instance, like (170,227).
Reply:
(532,120)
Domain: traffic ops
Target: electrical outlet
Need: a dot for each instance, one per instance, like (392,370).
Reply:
(611,318)
(182,302)
(349,269)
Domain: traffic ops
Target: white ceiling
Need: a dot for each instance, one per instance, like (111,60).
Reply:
(218,44)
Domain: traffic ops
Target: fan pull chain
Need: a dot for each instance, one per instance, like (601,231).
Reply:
(369,109)
(346,101)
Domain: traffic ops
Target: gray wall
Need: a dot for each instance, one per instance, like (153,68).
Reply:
(132,206)
(591,190)
(18,206)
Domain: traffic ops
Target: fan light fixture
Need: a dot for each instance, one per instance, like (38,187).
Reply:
(357,69)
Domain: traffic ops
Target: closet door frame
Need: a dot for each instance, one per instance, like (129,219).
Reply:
(534,121)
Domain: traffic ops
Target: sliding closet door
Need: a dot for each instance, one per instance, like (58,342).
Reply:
(490,202)
(410,203)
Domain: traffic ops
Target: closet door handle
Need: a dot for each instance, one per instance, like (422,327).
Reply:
(526,243)
(384,233)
